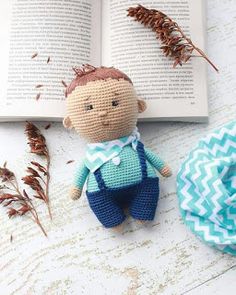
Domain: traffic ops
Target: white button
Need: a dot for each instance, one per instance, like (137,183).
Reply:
(116,161)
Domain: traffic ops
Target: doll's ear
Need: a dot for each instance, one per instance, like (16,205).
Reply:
(141,105)
(67,122)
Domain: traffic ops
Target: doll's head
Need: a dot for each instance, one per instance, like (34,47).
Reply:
(102,104)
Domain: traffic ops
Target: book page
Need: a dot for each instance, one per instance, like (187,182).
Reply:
(176,94)
(63,34)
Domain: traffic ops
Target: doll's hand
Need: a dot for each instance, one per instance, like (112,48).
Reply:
(75,193)
(166,171)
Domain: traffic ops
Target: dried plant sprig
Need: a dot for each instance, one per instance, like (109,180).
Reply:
(48,126)
(64,83)
(38,96)
(176,45)
(38,178)
(36,140)
(39,86)
(6,174)
(32,181)
(17,202)
(34,55)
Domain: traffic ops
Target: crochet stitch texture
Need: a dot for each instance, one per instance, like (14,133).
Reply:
(126,173)
(141,198)
(122,118)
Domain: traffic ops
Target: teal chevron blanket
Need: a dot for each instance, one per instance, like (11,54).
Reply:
(206,188)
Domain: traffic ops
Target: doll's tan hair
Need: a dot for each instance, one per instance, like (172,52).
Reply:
(88,73)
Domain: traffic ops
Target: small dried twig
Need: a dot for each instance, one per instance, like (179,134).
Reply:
(175,43)
(48,60)
(34,55)
(18,202)
(70,161)
(38,176)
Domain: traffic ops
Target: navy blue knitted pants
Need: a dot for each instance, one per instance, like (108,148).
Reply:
(141,199)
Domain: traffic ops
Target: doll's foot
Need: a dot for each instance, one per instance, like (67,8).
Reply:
(118,228)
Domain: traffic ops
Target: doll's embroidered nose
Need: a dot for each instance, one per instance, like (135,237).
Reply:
(102,113)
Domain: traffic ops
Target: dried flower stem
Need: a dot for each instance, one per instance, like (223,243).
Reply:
(47,185)
(202,54)
(38,146)
(18,202)
(175,43)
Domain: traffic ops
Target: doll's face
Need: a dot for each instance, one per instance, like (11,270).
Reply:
(103,110)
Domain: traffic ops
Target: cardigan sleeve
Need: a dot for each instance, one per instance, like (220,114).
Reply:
(81,176)
(154,159)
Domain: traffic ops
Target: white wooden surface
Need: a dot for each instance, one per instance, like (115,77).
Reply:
(81,257)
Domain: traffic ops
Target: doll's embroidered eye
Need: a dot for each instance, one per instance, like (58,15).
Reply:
(115,103)
(88,107)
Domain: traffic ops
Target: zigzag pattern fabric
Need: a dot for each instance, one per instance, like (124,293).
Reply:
(206,187)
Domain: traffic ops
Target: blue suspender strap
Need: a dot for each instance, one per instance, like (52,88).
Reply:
(142,159)
(99,179)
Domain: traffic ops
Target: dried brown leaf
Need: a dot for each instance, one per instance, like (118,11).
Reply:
(38,96)
(47,126)
(34,55)
(40,167)
(7,196)
(39,86)
(26,195)
(6,174)
(64,83)
(6,204)
(32,171)
(12,212)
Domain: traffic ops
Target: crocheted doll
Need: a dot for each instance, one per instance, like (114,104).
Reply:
(102,106)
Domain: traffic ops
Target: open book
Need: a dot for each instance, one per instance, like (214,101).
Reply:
(73,32)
